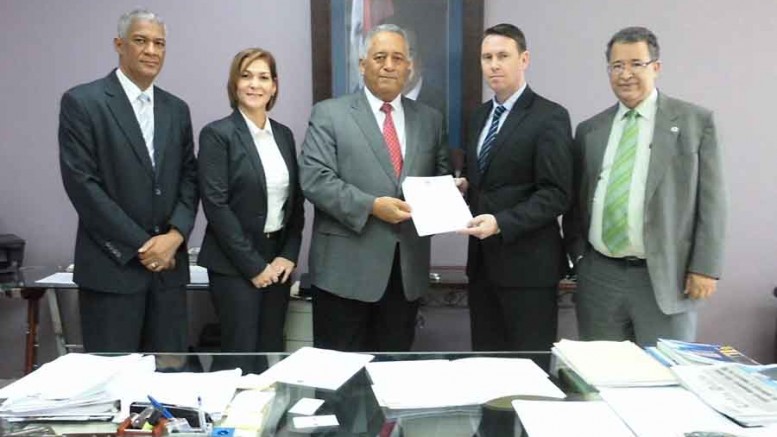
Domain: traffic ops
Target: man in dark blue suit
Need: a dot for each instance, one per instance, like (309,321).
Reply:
(128,166)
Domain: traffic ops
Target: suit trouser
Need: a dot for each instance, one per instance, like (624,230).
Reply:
(252,319)
(387,325)
(512,318)
(152,320)
(615,301)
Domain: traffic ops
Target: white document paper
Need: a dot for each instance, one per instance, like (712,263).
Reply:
(613,363)
(74,384)
(437,205)
(197,275)
(468,381)
(309,422)
(306,406)
(319,368)
(216,389)
(671,411)
(579,419)
(61,278)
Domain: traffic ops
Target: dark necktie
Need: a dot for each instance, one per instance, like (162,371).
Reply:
(488,143)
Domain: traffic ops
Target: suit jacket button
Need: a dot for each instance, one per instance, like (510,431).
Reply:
(157,191)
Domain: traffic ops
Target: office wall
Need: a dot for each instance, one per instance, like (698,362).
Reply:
(48,47)
(715,52)
(718,54)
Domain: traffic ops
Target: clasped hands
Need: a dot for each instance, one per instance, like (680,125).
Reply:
(277,271)
(158,253)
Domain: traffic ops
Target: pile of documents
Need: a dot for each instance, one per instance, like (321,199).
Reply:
(312,367)
(443,385)
(682,352)
(744,393)
(74,387)
(613,363)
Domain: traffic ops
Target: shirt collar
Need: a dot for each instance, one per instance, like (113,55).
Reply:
(256,130)
(646,108)
(508,104)
(130,89)
(376,103)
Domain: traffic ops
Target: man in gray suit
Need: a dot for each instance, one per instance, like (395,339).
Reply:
(647,228)
(368,265)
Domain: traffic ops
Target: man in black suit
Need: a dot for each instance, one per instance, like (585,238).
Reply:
(128,166)
(519,169)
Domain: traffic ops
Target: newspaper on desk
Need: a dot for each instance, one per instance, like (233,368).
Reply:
(744,393)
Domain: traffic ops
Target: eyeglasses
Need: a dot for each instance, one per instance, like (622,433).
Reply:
(617,68)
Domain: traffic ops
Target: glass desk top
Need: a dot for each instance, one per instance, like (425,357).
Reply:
(359,414)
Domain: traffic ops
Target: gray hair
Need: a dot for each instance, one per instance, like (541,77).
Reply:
(632,35)
(126,20)
(393,28)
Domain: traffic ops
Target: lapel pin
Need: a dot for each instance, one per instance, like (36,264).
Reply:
(674,129)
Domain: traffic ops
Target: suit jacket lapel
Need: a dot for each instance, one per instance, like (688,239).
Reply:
(514,119)
(247,142)
(479,121)
(412,134)
(288,152)
(664,145)
(162,126)
(361,112)
(122,112)
(595,145)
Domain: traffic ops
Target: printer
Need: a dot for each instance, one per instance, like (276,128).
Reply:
(11,257)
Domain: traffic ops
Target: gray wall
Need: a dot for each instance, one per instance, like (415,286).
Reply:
(716,53)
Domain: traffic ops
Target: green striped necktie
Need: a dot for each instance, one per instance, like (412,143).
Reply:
(615,223)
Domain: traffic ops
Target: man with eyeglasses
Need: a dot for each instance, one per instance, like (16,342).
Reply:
(128,166)
(647,228)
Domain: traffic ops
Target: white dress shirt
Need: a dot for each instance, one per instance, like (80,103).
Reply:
(397,114)
(636,215)
(276,175)
(508,104)
(133,92)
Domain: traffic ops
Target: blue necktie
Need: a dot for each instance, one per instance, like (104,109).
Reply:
(488,143)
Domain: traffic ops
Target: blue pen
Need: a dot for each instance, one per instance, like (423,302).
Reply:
(160,407)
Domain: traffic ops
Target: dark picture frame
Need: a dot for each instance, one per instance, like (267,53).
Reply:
(461,22)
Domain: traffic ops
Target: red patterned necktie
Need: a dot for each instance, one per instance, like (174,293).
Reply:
(391,139)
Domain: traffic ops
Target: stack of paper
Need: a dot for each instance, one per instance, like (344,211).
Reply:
(613,364)
(682,352)
(319,368)
(443,384)
(74,387)
(740,392)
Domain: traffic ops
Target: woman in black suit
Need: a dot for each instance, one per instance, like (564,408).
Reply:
(253,203)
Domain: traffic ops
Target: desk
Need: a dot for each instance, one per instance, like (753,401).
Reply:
(26,287)
(358,412)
